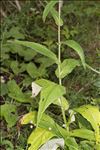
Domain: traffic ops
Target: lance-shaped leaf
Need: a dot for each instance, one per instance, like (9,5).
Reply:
(83,133)
(38,137)
(75,46)
(67,67)
(92,114)
(38,48)
(48,95)
(55,15)
(48,8)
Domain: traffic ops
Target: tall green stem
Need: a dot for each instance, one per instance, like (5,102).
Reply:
(59,64)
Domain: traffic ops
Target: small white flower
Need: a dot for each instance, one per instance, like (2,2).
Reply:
(64,125)
(50,128)
(2,79)
(31,126)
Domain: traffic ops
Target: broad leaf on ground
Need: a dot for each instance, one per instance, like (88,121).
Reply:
(16,93)
(8,111)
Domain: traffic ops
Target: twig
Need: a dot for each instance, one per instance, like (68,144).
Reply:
(18,5)
(3,13)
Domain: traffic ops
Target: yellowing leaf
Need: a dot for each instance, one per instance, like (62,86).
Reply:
(92,114)
(38,137)
(29,117)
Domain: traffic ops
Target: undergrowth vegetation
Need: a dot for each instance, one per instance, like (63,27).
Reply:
(50,76)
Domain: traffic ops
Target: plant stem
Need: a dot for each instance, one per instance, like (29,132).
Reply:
(59,67)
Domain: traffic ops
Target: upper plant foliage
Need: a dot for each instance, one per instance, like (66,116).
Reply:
(54,13)
(49,93)
(48,9)
(75,46)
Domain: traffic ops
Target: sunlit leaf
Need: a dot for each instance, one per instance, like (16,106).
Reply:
(83,133)
(48,125)
(38,137)
(92,114)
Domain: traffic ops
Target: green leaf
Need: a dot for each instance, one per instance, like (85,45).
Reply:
(55,15)
(63,103)
(16,93)
(71,143)
(67,67)
(8,144)
(83,133)
(74,45)
(38,137)
(3,89)
(14,67)
(15,33)
(86,145)
(48,8)
(8,111)
(38,48)
(48,95)
(92,114)
(32,70)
